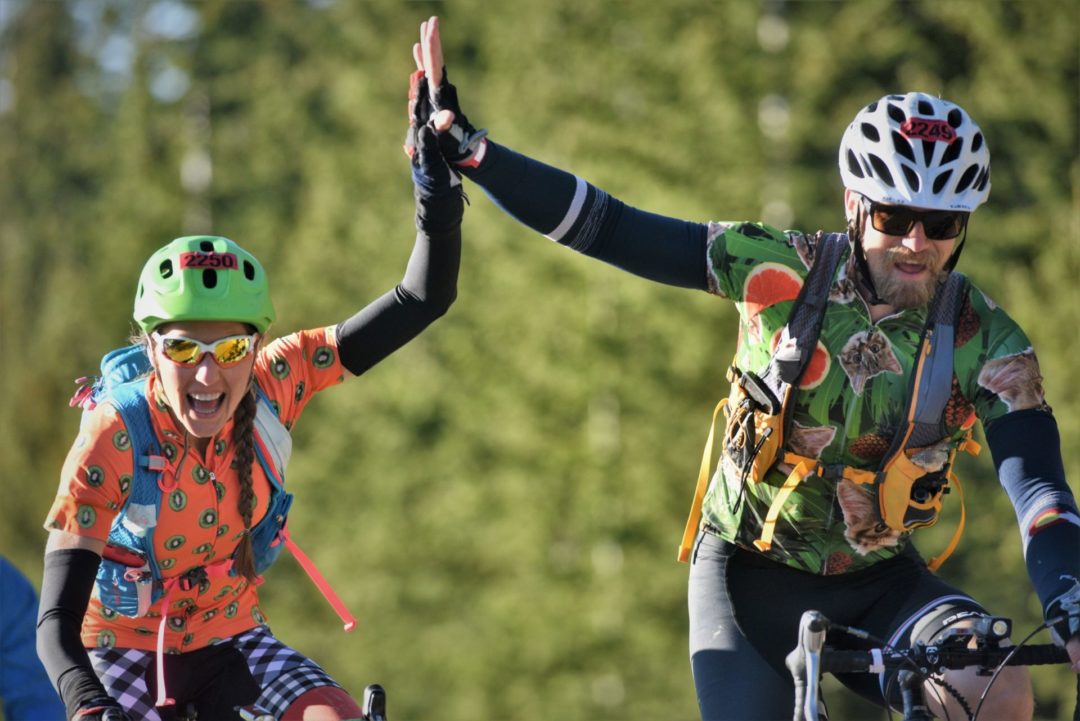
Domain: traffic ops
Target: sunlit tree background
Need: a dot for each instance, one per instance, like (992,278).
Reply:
(499,502)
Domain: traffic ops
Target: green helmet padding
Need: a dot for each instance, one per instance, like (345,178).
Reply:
(203,277)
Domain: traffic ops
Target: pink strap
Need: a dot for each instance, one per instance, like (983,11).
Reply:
(214,570)
(162,697)
(320,582)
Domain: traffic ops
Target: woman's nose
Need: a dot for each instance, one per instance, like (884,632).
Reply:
(206,370)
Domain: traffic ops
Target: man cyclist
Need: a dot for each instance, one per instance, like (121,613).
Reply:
(914,168)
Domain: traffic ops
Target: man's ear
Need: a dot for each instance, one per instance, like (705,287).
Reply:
(851,205)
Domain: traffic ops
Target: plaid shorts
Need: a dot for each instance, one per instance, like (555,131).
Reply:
(282,673)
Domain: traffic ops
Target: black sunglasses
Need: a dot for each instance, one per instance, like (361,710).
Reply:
(899,220)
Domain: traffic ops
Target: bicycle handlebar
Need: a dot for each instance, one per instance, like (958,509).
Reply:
(938,657)
(810,658)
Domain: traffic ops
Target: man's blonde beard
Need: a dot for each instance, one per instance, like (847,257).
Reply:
(904,294)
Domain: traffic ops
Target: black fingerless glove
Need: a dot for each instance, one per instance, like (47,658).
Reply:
(439,197)
(461,144)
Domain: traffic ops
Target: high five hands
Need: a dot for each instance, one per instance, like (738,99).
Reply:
(439,138)
(460,143)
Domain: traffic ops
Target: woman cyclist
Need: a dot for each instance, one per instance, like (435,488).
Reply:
(203,308)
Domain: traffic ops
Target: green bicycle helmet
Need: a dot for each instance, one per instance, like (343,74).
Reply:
(203,277)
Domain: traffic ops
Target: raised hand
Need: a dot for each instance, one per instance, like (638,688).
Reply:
(439,197)
(460,142)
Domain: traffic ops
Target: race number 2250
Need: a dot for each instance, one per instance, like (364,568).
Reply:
(208,260)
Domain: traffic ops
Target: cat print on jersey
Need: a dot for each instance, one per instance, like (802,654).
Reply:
(865,355)
(865,530)
(849,413)
(1015,379)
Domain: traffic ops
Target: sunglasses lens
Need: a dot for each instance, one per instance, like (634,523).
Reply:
(943,225)
(232,350)
(181,350)
(892,220)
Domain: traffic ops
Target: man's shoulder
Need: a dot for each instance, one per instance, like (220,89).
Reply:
(981,318)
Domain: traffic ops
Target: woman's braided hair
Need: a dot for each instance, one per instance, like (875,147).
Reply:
(243,438)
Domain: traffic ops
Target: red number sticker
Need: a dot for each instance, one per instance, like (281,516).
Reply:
(225,261)
(937,131)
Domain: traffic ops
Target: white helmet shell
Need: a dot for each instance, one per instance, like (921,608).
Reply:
(916,150)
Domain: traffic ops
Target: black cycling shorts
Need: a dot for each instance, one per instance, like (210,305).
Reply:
(744,619)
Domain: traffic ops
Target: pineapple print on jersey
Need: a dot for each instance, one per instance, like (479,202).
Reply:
(850,403)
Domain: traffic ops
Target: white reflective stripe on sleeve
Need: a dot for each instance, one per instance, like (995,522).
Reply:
(878,664)
(572,212)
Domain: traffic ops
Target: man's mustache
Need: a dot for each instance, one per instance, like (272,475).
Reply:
(896,256)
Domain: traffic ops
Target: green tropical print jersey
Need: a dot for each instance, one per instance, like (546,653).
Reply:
(851,398)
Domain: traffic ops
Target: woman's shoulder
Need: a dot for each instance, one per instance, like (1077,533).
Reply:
(292,368)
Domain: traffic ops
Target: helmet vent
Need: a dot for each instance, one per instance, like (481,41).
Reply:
(926,108)
(870,132)
(882,171)
(853,165)
(966,178)
(165,269)
(209,277)
(976,142)
(902,146)
(956,118)
(871,107)
(939,181)
(896,113)
(249,270)
(953,151)
(983,180)
(206,246)
(912,178)
(928,152)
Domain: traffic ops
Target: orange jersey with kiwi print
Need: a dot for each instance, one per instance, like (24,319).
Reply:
(198,522)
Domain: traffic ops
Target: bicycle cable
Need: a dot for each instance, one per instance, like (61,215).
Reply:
(1001,666)
(886,648)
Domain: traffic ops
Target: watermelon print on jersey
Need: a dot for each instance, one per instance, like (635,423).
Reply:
(850,400)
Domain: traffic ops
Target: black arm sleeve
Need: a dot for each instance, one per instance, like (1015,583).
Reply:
(424,294)
(1026,448)
(65,594)
(580,216)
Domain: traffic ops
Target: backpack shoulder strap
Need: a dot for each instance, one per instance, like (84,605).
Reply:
(134,524)
(931,382)
(933,391)
(130,401)
(804,322)
(273,442)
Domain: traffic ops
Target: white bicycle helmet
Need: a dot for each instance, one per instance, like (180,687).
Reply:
(916,150)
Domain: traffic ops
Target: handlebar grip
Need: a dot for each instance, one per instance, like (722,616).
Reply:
(1038,655)
(846,661)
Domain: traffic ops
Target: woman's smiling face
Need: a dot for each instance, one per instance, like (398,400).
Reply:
(202,396)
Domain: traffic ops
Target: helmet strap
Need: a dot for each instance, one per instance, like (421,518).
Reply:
(862,275)
(951,262)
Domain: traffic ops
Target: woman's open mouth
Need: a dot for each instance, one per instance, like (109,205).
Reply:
(205,405)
